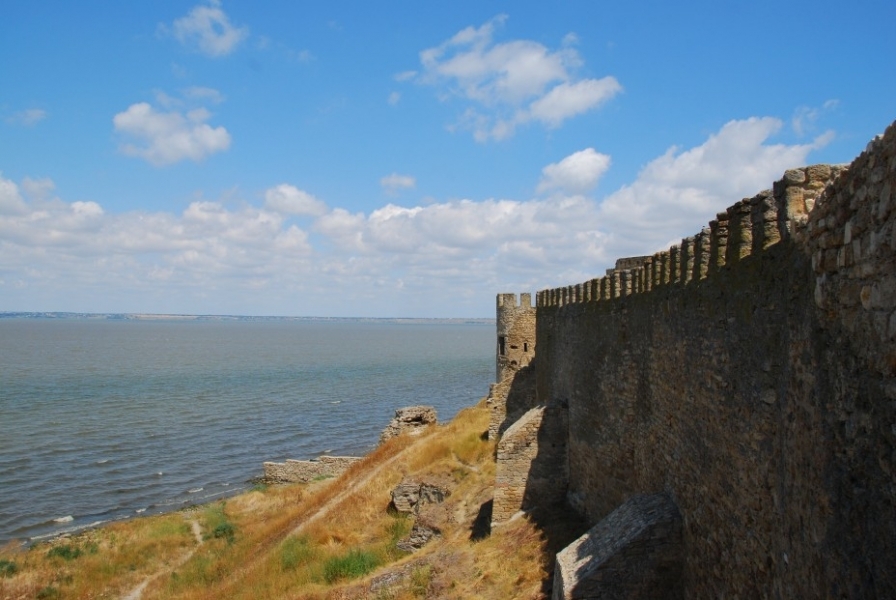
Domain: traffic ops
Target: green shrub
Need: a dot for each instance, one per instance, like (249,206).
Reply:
(65,551)
(217,522)
(295,551)
(226,531)
(356,563)
(48,593)
(8,568)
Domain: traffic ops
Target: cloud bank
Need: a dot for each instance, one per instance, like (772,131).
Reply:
(295,254)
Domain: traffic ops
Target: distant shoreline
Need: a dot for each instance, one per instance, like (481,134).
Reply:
(181,317)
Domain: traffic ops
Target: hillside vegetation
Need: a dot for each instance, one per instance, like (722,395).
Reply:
(329,539)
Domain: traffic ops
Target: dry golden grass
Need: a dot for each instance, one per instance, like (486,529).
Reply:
(102,562)
(331,539)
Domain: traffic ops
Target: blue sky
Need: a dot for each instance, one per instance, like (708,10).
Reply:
(400,158)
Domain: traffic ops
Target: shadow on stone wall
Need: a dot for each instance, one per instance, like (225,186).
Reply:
(749,373)
(520,396)
(510,399)
(635,552)
(482,525)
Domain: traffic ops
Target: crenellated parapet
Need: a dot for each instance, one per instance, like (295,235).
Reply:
(743,379)
(746,228)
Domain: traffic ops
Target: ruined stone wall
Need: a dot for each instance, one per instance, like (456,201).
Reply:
(750,374)
(303,471)
(531,463)
(508,400)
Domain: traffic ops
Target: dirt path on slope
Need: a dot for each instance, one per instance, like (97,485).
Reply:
(137,592)
(335,500)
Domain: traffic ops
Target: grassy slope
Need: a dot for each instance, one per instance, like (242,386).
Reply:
(332,539)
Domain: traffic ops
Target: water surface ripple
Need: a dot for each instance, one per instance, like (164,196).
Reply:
(108,419)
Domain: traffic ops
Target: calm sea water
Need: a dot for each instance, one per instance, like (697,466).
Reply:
(107,419)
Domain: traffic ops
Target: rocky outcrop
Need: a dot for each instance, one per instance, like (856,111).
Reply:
(421,534)
(410,496)
(411,420)
(419,498)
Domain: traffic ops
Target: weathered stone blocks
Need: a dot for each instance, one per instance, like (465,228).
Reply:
(410,496)
(303,471)
(635,553)
(412,420)
(759,396)
(531,462)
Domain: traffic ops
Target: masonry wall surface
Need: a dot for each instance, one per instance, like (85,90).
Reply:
(303,471)
(515,324)
(531,463)
(750,374)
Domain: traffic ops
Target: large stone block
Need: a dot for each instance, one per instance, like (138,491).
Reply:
(634,553)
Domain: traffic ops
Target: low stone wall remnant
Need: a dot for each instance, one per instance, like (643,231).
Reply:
(303,471)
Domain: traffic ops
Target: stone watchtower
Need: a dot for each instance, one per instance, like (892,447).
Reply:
(516,334)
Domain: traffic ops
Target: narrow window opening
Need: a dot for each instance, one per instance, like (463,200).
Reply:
(525,346)
(501,348)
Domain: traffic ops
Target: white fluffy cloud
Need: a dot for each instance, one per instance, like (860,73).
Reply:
(11,202)
(207,28)
(167,137)
(576,174)
(290,200)
(81,250)
(570,99)
(218,258)
(512,83)
(682,190)
(393,183)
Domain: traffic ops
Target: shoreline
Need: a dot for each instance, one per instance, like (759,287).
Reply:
(79,529)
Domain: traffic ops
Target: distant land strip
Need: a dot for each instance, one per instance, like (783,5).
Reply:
(176,317)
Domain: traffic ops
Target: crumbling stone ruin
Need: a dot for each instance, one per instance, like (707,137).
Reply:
(303,471)
(744,382)
(410,420)
(410,496)
(413,497)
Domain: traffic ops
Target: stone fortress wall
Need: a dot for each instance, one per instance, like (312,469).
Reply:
(749,376)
